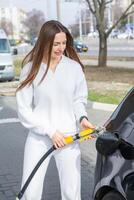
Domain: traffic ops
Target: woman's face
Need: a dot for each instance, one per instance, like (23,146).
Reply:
(59,45)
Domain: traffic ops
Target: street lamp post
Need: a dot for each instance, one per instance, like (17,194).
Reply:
(58,9)
(133,19)
(91,23)
(11,15)
(80,8)
(109,15)
(80,23)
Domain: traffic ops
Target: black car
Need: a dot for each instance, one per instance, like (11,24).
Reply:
(80,47)
(114,171)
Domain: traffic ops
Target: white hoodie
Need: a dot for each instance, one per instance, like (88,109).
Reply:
(55,104)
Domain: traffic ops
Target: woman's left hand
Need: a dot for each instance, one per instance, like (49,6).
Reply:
(85,124)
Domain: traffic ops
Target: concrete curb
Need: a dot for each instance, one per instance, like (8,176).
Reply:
(111,63)
(102,106)
(8,88)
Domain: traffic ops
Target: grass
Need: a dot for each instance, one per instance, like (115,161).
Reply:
(110,97)
(106,85)
(17,64)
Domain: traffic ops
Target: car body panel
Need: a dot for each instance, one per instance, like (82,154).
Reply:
(110,171)
(80,47)
(6,62)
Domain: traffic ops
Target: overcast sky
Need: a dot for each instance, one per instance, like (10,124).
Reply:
(28,4)
(68,14)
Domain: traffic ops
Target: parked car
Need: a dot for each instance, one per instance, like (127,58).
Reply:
(94,34)
(6,62)
(80,47)
(114,171)
(126,35)
(114,34)
(33,41)
(84,48)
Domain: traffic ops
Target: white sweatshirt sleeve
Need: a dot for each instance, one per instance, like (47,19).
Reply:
(24,98)
(80,95)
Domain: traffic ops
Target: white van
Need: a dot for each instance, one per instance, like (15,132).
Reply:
(6,62)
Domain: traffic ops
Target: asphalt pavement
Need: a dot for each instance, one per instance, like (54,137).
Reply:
(13,136)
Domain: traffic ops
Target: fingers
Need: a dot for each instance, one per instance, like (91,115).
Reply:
(85,124)
(58,140)
(59,143)
(89,125)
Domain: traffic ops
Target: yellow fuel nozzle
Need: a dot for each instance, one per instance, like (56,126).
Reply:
(85,138)
(79,136)
(69,139)
(86,132)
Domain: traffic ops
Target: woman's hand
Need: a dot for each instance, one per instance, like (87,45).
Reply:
(85,124)
(58,140)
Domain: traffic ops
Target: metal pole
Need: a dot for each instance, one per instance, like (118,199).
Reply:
(80,23)
(80,18)
(132,31)
(58,9)
(85,25)
(11,14)
(91,23)
(109,16)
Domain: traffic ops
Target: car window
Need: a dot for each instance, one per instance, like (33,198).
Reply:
(4,46)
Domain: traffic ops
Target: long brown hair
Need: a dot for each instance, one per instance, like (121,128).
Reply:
(43,46)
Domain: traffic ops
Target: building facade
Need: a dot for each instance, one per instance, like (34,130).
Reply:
(14,16)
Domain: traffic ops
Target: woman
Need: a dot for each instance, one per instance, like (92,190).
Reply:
(51,102)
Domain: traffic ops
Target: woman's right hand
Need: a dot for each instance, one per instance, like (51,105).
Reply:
(58,140)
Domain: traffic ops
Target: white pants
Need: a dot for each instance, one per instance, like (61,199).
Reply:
(67,161)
